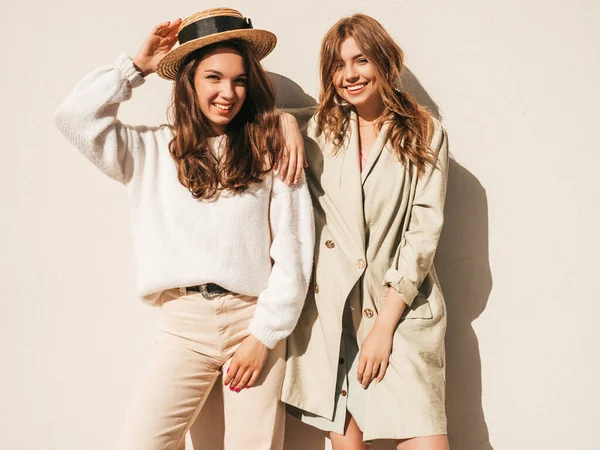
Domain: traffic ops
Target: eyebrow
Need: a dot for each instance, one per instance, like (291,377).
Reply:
(355,57)
(216,72)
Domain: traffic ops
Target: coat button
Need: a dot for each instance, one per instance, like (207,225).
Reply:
(368,313)
(341,361)
(316,288)
(329,244)
(344,393)
(360,264)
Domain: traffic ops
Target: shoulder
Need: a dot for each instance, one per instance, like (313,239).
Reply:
(314,133)
(438,135)
(302,115)
(279,186)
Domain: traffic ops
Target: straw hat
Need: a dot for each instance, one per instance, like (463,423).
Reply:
(211,26)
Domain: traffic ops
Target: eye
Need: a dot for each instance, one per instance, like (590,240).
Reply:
(362,61)
(212,77)
(240,81)
(338,66)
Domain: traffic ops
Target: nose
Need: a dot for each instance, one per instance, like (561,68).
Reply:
(350,74)
(227,91)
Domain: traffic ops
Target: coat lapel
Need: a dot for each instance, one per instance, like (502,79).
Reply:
(375,152)
(351,191)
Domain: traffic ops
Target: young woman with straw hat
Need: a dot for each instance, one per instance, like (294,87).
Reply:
(223,245)
(366,361)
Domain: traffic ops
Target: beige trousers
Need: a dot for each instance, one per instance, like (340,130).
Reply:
(198,338)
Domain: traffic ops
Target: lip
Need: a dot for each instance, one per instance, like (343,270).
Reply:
(356,91)
(223,112)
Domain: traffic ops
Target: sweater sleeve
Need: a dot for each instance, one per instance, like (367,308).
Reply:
(292,230)
(420,241)
(88,118)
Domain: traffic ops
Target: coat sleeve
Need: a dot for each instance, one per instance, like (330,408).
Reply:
(292,245)
(88,118)
(414,257)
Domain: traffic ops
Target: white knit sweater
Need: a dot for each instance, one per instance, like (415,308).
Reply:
(258,243)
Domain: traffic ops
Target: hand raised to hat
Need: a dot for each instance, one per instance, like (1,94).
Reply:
(162,39)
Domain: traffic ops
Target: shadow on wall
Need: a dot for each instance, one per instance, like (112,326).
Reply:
(462,265)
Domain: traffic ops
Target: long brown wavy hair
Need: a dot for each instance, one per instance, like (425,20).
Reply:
(253,137)
(411,126)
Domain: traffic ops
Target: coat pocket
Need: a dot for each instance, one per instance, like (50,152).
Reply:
(420,308)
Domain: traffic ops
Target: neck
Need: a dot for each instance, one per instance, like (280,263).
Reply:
(369,113)
(217,130)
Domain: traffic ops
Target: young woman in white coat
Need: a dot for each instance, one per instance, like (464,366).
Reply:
(224,247)
(366,360)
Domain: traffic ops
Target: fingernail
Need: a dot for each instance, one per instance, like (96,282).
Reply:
(231,388)
(247,387)
(237,389)
(228,369)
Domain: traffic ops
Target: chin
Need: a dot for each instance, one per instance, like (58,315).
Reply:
(221,121)
(356,101)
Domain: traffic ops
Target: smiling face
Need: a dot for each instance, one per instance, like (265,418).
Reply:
(355,78)
(220,83)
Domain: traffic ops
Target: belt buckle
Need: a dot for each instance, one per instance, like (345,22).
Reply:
(209,295)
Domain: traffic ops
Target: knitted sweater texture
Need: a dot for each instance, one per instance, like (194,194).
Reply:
(259,242)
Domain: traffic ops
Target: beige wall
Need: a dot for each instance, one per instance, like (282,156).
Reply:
(517,86)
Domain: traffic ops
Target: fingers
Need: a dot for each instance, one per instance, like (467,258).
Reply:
(294,149)
(237,387)
(367,375)
(254,378)
(167,29)
(382,370)
(371,369)
(283,165)
(160,27)
(235,384)
(173,28)
(231,373)
(300,163)
(362,363)
(292,164)
(241,378)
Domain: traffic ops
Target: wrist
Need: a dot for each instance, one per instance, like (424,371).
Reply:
(384,326)
(141,67)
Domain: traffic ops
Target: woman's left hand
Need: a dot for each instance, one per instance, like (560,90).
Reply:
(375,355)
(293,160)
(247,364)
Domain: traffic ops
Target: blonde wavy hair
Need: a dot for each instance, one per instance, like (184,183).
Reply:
(411,126)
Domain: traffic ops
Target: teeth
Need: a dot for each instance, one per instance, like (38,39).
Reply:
(222,107)
(355,88)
